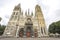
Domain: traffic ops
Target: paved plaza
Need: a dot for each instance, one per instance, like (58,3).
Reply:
(29,38)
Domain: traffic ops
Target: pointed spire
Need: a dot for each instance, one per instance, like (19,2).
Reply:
(25,13)
(31,13)
(28,11)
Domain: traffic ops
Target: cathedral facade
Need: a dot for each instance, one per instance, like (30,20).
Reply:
(26,26)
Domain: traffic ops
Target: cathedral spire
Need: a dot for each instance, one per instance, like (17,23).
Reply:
(31,13)
(28,11)
(25,13)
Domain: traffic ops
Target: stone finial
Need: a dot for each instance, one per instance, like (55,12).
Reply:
(28,11)
(25,13)
(31,13)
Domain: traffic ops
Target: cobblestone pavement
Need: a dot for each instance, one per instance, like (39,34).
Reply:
(29,38)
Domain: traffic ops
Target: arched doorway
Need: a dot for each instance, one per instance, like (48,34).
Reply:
(28,28)
(21,32)
(29,31)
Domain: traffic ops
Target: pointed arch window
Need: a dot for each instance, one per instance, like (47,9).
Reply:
(16,13)
(13,13)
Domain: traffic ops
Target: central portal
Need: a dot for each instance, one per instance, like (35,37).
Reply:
(28,30)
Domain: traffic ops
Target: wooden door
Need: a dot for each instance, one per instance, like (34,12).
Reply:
(28,34)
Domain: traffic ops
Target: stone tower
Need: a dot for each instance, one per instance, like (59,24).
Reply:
(41,22)
(26,26)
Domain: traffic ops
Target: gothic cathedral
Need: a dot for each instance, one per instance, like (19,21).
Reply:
(26,26)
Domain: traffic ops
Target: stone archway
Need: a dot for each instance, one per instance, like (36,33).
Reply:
(28,29)
(21,32)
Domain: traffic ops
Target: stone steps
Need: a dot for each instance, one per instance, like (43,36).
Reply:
(29,38)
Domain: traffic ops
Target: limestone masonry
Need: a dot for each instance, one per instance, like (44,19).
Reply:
(26,26)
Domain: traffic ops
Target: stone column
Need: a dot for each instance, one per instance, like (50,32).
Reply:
(43,31)
(24,31)
(39,31)
(17,28)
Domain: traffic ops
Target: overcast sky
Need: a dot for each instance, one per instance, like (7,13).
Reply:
(50,9)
